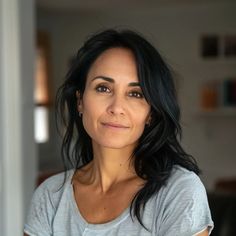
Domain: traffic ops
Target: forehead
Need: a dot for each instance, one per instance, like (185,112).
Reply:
(117,63)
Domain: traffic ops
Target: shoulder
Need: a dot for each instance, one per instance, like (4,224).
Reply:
(184,204)
(183,186)
(50,191)
(182,179)
(182,173)
(52,183)
(45,202)
(56,180)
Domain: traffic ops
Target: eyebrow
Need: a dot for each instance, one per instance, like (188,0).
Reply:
(108,79)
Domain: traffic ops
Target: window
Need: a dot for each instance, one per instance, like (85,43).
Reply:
(41,89)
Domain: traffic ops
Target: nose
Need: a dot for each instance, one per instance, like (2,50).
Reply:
(116,105)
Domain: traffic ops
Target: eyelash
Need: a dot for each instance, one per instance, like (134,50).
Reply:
(104,89)
(137,94)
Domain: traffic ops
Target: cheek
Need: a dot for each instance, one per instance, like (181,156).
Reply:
(89,124)
(142,115)
(88,106)
(91,114)
(140,121)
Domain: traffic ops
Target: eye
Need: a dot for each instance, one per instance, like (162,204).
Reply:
(136,94)
(102,89)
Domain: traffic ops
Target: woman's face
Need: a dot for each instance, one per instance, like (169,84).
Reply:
(114,109)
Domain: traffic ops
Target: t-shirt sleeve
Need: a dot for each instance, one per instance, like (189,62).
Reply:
(38,222)
(186,210)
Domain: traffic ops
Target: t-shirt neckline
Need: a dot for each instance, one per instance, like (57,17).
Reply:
(102,226)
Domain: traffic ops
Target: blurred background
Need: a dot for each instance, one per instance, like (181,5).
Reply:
(37,43)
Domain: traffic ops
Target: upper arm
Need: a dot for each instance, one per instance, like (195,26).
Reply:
(186,210)
(204,233)
(38,220)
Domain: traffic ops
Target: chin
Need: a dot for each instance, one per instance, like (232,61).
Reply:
(115,144)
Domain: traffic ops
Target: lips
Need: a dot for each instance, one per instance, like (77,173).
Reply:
(115,125)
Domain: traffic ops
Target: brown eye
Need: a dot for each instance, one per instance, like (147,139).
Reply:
(102,89)
(136,94)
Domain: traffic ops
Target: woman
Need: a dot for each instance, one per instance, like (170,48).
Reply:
(129,175)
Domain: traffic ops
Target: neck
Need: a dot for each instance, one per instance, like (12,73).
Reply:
(110,167)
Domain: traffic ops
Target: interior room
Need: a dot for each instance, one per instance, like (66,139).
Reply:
(197,40)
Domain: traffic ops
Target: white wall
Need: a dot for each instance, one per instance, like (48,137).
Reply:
(17,148)
(1,125)
(176,31)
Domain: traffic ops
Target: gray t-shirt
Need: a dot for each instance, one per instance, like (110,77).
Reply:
(180,208)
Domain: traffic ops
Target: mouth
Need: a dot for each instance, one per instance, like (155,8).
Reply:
(114,125)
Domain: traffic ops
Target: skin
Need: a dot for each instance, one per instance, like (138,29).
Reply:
(114,115)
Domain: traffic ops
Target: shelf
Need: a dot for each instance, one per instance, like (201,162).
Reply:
(218,112)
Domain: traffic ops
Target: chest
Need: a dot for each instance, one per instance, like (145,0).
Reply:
(122,225)
(67,221)
(99,209)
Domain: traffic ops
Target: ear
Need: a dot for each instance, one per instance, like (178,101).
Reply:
(79,101)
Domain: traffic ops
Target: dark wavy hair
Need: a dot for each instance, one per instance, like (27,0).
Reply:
(159,148)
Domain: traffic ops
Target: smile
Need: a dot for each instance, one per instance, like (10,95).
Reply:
(114,125)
